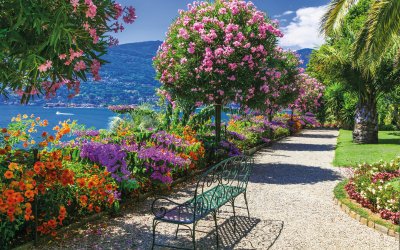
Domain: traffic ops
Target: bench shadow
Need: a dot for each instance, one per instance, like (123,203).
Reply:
(285,174)
(247,235)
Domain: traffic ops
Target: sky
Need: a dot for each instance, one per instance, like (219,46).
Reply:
(299,20)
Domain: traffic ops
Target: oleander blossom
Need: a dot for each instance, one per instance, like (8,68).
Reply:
(223,51)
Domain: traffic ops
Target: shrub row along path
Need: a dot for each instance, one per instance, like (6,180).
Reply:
(291,205)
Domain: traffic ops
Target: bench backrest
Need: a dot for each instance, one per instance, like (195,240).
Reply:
(221,183)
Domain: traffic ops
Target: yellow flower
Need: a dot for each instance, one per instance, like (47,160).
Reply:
(25,116)
(12,166)
(33,142)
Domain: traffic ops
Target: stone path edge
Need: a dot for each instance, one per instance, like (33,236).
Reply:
(141,197)
(342,203)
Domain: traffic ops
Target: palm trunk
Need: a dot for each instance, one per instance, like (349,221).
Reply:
(366,121)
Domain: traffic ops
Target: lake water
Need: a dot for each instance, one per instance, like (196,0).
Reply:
(97,118)
(90,117)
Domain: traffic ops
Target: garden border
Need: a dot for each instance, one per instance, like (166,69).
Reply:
(141,197)
(361,214)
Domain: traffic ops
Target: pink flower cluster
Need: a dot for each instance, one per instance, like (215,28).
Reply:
(219,51)
(45,66)
(310,93)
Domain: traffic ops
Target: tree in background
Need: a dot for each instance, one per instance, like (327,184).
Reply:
(48,44)
(310,92)
(218,53)
(335,63)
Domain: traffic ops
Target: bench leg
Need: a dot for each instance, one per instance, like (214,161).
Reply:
(234,215)
(176,233)
(247,205)
(154,233)
(194,236)
(216,227)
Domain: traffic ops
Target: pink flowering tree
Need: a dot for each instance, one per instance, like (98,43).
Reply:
(48,44)
(216,53)
(278,83)
(310,92)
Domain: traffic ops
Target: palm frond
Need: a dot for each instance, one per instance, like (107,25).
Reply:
(334,17)
(380,33)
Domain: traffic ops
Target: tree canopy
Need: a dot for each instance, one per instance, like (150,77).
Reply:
(48,44)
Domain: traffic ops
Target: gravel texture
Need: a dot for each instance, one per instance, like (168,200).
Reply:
(291,207)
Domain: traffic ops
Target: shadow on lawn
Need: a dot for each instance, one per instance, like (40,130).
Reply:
(285,174)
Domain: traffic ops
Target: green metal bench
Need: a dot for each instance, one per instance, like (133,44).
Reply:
(216,187)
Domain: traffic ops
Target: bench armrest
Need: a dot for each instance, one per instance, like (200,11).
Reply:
(159,212)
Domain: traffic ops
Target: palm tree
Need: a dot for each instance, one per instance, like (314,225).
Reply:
(380,32)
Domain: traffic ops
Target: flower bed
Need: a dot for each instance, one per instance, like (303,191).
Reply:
(377,187)
(91,171)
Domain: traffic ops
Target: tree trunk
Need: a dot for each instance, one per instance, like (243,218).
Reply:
(366,121)
(218,123)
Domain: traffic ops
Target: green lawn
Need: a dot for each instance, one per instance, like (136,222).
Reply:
(349,154)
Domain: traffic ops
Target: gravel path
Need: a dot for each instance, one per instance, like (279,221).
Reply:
(290,198)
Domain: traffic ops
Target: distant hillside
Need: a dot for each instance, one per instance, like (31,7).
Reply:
(128,78)
(305,56)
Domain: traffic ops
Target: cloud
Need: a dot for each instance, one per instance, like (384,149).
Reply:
(286,13)
(303,30)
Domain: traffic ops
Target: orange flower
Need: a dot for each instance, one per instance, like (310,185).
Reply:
(90,184)
(52,223)
(29,194)
(83,199)
(8,174)
(63,210)
(81,182)
(109,187)
(9,192)
(38,166)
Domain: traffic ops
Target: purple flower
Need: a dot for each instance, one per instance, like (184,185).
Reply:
(88,133)
(231,148)
(237,136)
(110,156)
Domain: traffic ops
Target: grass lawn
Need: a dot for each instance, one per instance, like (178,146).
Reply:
(349,154)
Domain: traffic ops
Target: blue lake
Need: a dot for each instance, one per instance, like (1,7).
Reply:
(90,117)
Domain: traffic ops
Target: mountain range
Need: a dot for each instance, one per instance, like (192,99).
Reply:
(128,78)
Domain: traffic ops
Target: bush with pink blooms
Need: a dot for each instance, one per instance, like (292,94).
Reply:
(48,44)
